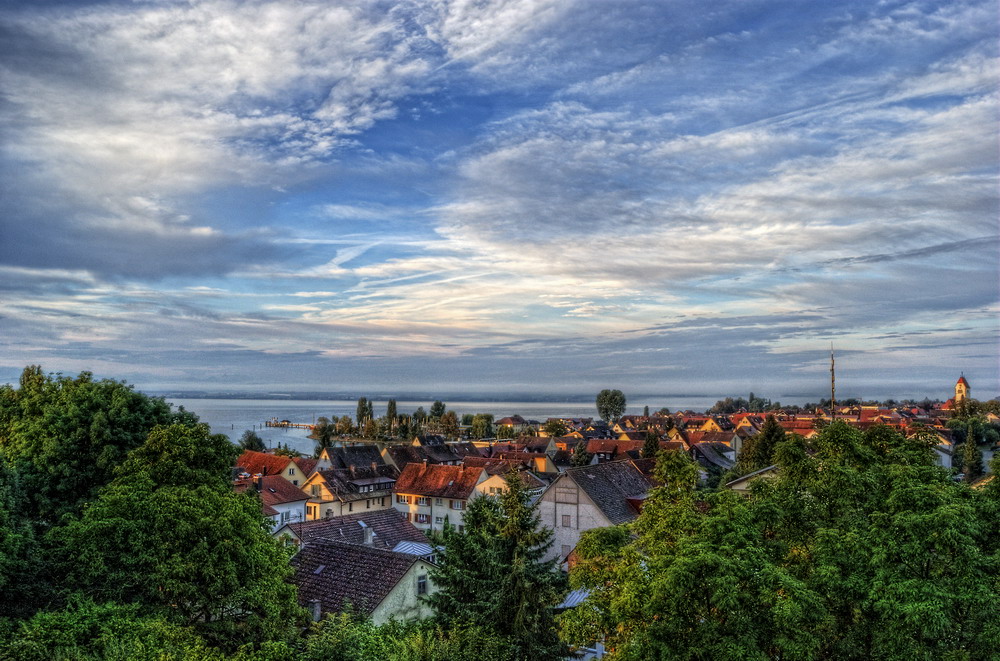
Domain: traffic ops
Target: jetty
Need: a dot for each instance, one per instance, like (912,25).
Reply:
(288,424)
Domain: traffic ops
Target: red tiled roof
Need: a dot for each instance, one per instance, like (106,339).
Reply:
(962,380)
(438,481)
(306,464)
(262,463)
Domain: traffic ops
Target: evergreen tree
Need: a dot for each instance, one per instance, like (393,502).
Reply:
(493,576)
(652,444)
(438,409)
(580,455)
(972,456)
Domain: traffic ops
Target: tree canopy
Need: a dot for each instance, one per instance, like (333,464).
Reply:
(610,405)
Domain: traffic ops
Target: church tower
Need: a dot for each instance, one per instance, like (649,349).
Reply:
(962,389)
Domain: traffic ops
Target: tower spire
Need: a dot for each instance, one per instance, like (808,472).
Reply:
(833,387)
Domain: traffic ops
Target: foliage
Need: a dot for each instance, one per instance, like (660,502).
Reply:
(449,425)
(364,411)
(492,575)
(505,432)
(250,440)
(860,548)
(610,405)
(107,632)
(555,427)
(651,445)
(758,450)
(437,409)
(170,533)
(391,414)
(580,455)
(65,436)
(347,637)
(21,566)
(482,425)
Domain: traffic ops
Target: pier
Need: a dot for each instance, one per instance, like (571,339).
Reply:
(287,424)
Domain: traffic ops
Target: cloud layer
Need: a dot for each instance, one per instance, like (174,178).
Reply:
(546,195)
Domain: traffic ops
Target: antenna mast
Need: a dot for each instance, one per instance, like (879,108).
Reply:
(833,387)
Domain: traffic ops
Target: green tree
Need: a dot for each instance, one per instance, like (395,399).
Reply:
(363,412)
(345,425)
(505,432)
(555,427)
(758,450)
(21,556)
(438,409)
(493,575)
(391,415)
(651,446)
(449,425)
(972,458)
(169,533)
(65,436)
(610,405)
(251,441)
(482,425)
(580,455)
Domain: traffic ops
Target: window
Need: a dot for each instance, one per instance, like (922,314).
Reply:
(458,504)
(567,520)
(439,519)
(423,518)
(403,500)
(439,501)
(494,491)
(350,507)
(291,471)
(368,504)
(312,511)
(295,482)
(315,490)
(423,500)
(422,584)
(284,517)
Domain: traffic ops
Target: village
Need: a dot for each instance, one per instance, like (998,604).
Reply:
(362,514)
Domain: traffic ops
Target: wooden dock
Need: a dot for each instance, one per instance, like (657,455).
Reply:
(287,424)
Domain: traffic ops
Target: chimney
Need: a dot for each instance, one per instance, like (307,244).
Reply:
(258,484)
(317,611)
(374,466)
(368,534)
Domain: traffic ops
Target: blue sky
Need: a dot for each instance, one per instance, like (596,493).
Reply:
(547,196)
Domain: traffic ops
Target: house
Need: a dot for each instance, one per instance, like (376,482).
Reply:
(741,485)
(430,494)
(252,463)
(282,501)
(401,455)
(376,583)
(594,496)
(384,529)
(345,457)
(340,491)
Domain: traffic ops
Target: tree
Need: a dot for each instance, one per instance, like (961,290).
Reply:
(758,450)
(437,410)
(555,427)
(493,576)
(580,455)
(65,436)
(21,555)
(364,412)
(449,425)
(169,533)
(651,446)
(251,441)
(610,405)
(645,411)
(391,415)
(345,425)
(972,456)
(482,425)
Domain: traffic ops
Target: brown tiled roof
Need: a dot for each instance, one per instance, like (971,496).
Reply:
(345,482)
(610,485)
(710,437)
(337,574)
(358,456)
(438,481)
(466,449)
(262,463)
(389,525)
(273,490)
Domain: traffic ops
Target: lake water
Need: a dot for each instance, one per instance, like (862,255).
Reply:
(233,416)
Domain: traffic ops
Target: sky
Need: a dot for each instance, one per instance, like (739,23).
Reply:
(539,196)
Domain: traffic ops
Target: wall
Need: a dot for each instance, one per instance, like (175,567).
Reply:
(402,603)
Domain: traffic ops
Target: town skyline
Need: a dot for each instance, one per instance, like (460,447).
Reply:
(537,197)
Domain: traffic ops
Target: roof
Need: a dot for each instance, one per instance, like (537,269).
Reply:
(306,464)
(262,463)
(337,574)
(359,456)
(962,380)
(770,470)
(609,485)
(345,483)
(712,453)
(389,526)
(439,481)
